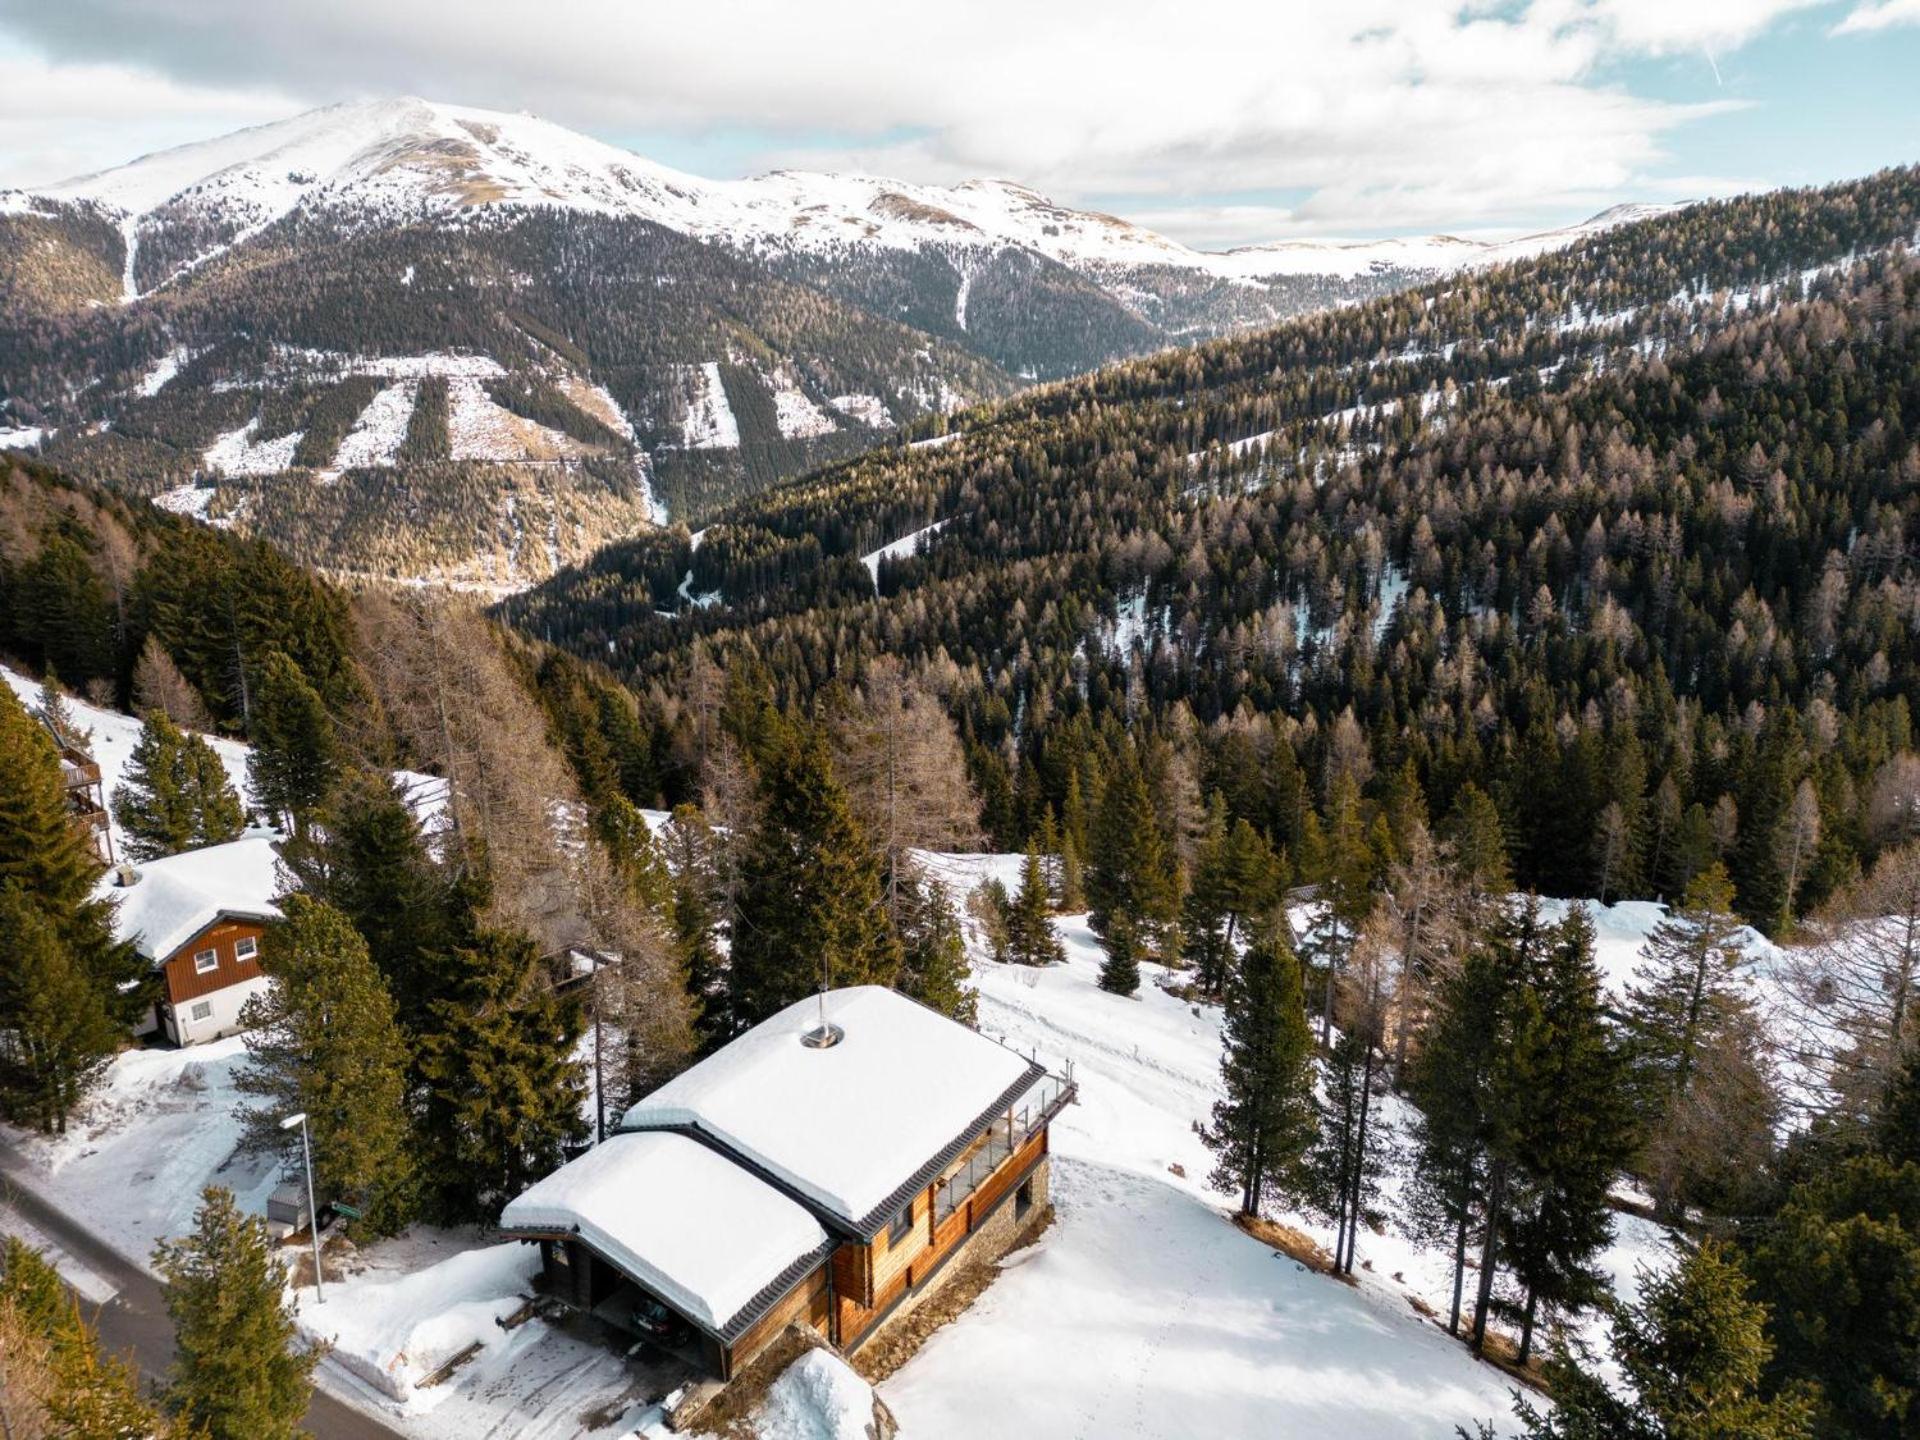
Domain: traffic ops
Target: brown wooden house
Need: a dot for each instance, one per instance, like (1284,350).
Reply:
(827,1167)
(198,919)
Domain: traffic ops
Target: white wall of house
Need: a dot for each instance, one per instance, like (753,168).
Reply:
(210,1016)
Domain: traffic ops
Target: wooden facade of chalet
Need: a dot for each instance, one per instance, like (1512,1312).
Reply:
(990,1179)
(86,797)
(224,954)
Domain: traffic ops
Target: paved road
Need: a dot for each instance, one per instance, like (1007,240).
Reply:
(134,1322)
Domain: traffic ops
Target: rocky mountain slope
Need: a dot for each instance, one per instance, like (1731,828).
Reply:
(413,339)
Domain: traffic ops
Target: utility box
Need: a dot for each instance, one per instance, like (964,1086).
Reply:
(288,1205)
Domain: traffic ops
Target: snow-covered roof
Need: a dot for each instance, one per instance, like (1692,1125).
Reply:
(176,898)
(848,1126)
(701,1232)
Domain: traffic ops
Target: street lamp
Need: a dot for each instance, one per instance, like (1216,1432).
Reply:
(313,1213)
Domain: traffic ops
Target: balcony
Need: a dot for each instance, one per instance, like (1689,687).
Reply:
(1030,1113)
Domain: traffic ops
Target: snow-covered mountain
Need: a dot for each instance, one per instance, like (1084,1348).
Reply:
(404,160)
(402,337)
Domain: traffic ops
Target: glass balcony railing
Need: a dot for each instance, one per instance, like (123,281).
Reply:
(1035,1107)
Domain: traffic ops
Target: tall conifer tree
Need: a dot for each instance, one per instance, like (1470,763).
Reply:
(811,891)
(323,1040)
(239,1373)
(1264,1125)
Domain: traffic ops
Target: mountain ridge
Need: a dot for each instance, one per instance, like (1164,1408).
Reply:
(410,157)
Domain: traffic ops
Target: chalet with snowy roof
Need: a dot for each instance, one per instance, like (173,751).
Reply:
(826,1168)
(198,918)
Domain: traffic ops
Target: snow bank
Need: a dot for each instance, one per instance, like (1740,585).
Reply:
(394,1333)
(157,1131)
(818,1397)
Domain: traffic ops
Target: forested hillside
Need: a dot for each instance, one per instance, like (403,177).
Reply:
(1620,538)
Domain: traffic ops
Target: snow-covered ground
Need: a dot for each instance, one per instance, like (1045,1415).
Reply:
(241,452)
(1200,1330)
(867,409)
(794,411)
(900,549)
(377,434)
(112,736)
(709,424)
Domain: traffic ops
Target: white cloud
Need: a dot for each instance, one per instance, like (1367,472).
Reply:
(1879,15)
(1389,112)
(62,120)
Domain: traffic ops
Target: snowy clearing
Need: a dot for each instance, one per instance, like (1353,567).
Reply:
(899,549)
(794,411)
(377,434)
(867,409)
(709,424)
(237,452)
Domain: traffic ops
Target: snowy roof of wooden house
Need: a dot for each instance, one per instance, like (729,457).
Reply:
(171,900)
(698,1230)
(853,1129)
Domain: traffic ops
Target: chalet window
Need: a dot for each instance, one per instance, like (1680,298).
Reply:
(245,948)
(205,960)
(902,1226)
(202,1011)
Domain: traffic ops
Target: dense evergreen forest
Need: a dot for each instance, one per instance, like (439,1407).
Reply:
(1621,538)
(1288,660)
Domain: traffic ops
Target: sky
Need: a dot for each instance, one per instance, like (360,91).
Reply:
(1218,122)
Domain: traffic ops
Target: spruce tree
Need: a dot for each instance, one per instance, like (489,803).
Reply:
(1129,880)
(296,754)
(1236,881)
(1344,1167)
(57,1378)
(504,1088)
(811,889)
(59,1034)
(1031,938)
(696,917)
(1264,1125)
(1839,1266)
(323,1039)
(368,860)
(1455,1084)
(1691,1351)
(176,795)
(237,1373)
(933,964)
(55,865)
(1574,1132)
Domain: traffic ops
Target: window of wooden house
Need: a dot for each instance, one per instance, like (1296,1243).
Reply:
(902,1226)
(245,948)
(203,1010)
(205,960)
